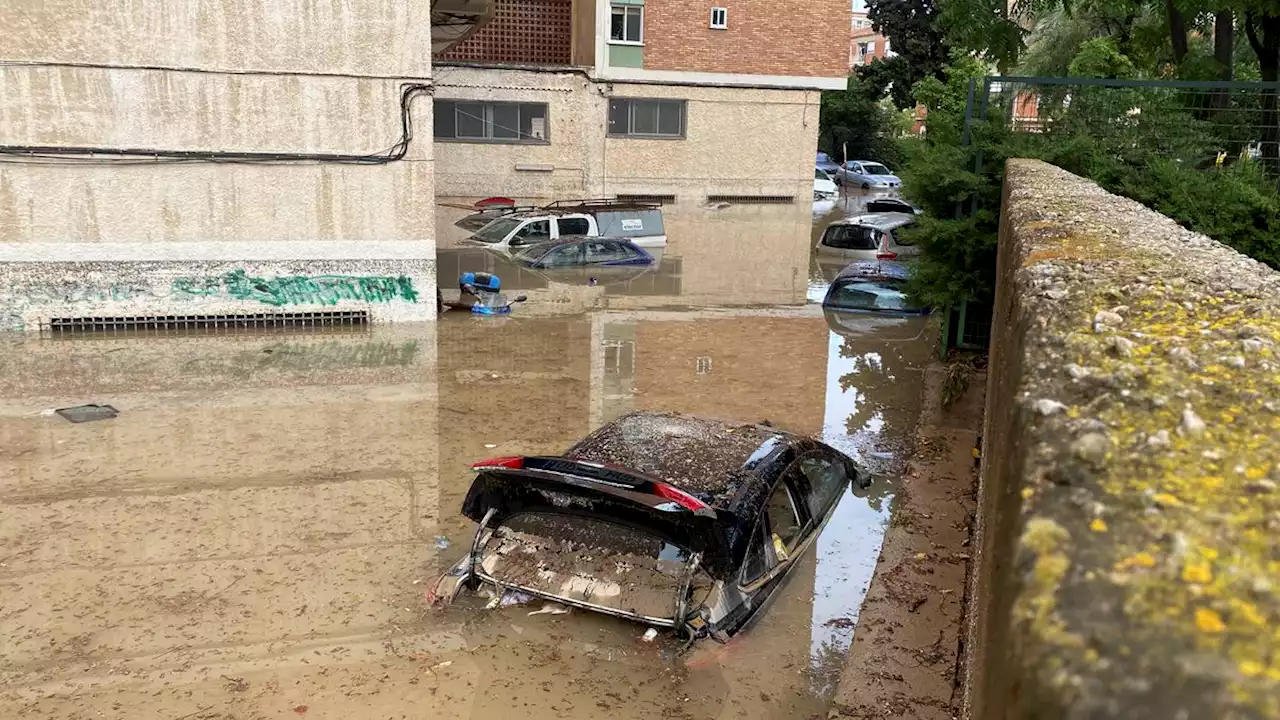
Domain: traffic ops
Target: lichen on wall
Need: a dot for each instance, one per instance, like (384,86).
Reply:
(1148,579)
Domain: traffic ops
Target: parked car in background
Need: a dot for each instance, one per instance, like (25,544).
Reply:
(872,287)
(639,222)
(826,164)
(824,188)
(664,519)
(867,175)
(866,237)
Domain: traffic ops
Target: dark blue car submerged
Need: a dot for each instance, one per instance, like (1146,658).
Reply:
(872,287)
(578,251)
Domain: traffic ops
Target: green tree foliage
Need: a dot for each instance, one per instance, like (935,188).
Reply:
(1160,147)
(858,119)
(920,50)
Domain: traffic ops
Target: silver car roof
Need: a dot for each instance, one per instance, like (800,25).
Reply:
(880,221)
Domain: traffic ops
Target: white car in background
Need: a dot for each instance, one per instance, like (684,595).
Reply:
(824,188)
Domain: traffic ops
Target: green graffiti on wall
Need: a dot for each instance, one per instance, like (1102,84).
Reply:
(300,289)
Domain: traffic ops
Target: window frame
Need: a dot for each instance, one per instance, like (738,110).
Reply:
(631,103)
(764,533)
(625,8)
(488,123)
(724,18)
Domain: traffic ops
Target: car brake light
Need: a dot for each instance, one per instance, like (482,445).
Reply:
(679,497)
(509,463)
(883,253)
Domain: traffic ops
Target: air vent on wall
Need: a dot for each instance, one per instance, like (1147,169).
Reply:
(186,323)
(753,199)
(664,199)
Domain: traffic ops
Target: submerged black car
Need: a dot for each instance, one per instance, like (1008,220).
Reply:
(669,520)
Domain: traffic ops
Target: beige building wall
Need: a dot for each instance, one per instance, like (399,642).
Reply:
(244,76)
(737,142)
(561,168)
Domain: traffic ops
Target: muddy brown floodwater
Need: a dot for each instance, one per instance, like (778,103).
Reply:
(253,535)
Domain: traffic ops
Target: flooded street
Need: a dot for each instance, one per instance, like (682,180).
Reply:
(253,535)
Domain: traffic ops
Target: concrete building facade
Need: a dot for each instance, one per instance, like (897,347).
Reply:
(664,98)
(241,157)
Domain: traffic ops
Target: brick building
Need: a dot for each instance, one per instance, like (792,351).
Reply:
(865,44)
(571,98)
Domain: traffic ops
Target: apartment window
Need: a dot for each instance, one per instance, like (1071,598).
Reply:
(627,24)
(632,117)
(719,18)
(496,122)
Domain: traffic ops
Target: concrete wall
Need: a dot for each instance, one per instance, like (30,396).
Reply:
(242,76)
(472,169)
(738,141)
(1125,561)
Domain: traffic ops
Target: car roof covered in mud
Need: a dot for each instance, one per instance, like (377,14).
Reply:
(703,457)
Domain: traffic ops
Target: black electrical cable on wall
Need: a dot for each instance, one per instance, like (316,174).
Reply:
(44,154)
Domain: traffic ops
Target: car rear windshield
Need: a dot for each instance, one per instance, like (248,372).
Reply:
(877,294)
(495,231)
(531,252)
(589,560)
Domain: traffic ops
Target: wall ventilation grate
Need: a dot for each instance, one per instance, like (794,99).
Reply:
(663,199)
(753,199)
(187,323)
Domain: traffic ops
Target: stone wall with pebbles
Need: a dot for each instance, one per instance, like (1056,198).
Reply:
(1127,557)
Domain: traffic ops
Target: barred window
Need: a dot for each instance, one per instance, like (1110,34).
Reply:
(499,122)
(633,117)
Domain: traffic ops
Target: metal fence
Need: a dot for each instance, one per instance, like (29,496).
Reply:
(1101,127)
(1204,124)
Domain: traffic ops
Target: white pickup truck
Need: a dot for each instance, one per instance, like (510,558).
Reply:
(641,223)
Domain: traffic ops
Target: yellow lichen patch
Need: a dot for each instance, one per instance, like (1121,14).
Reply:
(1209,621)
(1197,572)
(1141,560)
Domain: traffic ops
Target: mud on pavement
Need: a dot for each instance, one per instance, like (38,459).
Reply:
(903,661)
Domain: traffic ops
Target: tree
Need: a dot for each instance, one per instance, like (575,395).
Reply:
(920,50)
(856,118)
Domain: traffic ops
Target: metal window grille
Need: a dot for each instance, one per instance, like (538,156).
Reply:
(176,324)
(528,32)
(753,199)
(661,199)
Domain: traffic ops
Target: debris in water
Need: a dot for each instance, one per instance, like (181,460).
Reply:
(442,542)
(301,709)
(551,609)
(509,598)
(843,623)
(88,413)
(490,446)
(650,634)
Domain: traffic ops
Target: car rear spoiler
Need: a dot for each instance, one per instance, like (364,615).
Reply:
(618,482)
